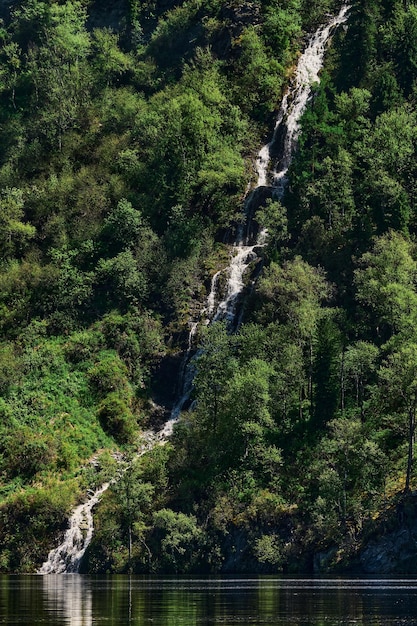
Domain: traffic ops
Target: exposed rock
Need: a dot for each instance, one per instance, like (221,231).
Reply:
(394,553)
(387,546)
(323,561)
(160,414)
(164,386)
(235,18)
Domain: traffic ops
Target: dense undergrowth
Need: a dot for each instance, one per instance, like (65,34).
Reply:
(127,143)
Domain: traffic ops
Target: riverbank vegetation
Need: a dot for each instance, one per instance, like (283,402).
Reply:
(127,142)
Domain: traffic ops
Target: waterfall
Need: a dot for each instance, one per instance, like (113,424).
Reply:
(286,132)
(226,306)
(186,377)
(287,127)
(67,556)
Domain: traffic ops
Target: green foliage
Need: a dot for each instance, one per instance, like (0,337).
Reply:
(385,281)
(57,69)
(110,61)
(25,453)
(268,550)
(398,377)
(273,218)
(122,280)
(14,234)
(179,537)
(259,76)
(124,156)
(349,472)
(123,226)
(294,404)
(35,515)
(282,26)
(359,368)
(116,418)
(293,294)
(109,374)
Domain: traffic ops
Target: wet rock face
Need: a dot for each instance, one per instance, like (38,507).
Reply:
(388,546)
(241,14)
(394,553)
(393,547)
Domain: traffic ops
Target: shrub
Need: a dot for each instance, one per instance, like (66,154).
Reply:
(116,418)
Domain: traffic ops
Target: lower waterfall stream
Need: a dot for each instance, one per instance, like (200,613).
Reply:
(67,557)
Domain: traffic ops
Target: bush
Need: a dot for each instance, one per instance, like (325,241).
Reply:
(25,452)
(109,375)
(116,418)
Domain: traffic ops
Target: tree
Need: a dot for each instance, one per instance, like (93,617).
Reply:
(67,288)
(215,365)
(327,371)
(109,60)
(14,233)
(348,474)
(403,43)
(360,365)
(245,429)
(122,280)
(331,192)
(293,295)
(273,218)
(259,77)
(116,418)
(134,497)
(283,26)
(179,537)
(9,74)
(398,392)
(221,173)
(122,227)
(58,69)
(388,151)
(287,377)
(385,284)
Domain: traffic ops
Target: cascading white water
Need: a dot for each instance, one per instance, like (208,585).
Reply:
(262,161)
(293,106)
(288,124)
(66,558)
(186,378)
(68,555)
(226,309)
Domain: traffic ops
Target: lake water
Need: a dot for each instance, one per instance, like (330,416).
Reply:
(122,600)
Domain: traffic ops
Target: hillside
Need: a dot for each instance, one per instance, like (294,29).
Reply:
(128,136)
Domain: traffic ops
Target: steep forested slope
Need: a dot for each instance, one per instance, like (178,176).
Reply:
(128,133)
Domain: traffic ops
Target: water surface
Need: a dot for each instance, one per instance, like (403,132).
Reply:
(72,599)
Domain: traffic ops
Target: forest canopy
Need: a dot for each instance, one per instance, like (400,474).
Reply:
(128,135)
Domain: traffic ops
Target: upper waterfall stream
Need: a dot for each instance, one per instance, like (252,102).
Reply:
(287,127)
(222,303)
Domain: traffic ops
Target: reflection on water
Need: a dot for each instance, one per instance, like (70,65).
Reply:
(71,599)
